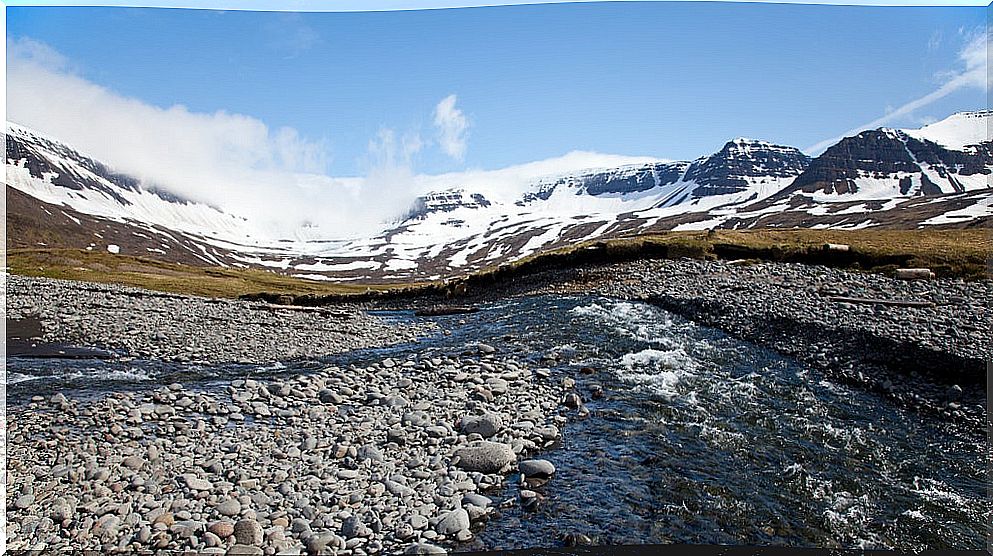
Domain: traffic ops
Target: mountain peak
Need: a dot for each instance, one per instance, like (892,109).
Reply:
(747,141)
(747,145)
(958,131)
(951,156)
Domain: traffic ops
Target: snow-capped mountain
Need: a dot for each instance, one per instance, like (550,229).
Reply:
(961,131)
(53,187)
(938,175)
(54,172)
(741,166)
(887,163)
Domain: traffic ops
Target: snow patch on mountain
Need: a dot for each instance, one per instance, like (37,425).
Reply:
(958,131)
(981,209)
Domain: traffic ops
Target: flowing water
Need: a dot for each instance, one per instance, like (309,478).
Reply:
(701,438)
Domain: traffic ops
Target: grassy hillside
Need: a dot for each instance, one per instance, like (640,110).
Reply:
(950,253)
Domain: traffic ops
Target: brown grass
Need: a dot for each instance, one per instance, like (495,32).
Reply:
(950,253)
(93,266)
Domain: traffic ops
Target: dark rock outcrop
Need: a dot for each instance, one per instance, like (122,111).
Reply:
(725,171)
(634,180)
(887,153)
(721,173)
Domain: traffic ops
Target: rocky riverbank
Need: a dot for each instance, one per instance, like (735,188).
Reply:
(398,456)
(189,329)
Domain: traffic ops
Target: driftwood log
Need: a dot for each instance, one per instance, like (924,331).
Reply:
(300,308)
(440,311)
(841,247)
(889,302)
(914,274)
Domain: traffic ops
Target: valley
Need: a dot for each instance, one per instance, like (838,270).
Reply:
(183,379)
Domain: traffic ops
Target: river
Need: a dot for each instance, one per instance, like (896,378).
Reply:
(700,438)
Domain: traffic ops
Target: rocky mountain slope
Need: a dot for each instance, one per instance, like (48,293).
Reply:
(936,176)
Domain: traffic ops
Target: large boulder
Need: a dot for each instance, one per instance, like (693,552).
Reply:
(453,522)
(485,425)
(248,532)
(485,457)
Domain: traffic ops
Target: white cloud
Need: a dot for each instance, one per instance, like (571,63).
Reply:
(453,127)
(389,172)
(386,151)
(275,178)
(30,50)
(971,74)
(291,35)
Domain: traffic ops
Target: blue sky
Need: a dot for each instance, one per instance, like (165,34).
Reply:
(672,80)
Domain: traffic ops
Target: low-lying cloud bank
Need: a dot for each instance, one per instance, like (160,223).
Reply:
(274,177)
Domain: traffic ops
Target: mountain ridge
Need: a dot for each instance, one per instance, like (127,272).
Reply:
(937,176)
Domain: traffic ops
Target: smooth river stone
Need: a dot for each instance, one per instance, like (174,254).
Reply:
(540,468)
(485,457)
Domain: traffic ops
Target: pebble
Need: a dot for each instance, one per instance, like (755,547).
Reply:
(133,462)
(230,508)
(424,548)
(244,550)
(486,425)
(478,500)
(223,529)
(418,521)
(572,400)
(62,510)
(195,483)
(352,527)
(316,544)
(248,532)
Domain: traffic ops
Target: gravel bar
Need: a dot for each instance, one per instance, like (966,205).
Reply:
(189,329)
(397,457)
